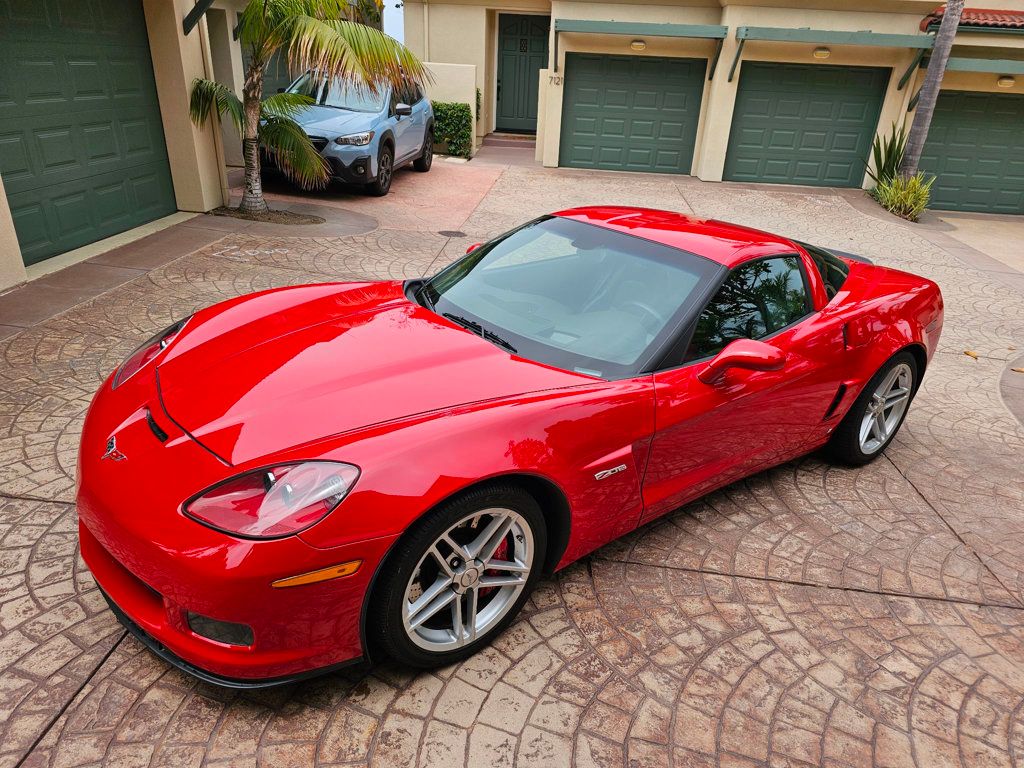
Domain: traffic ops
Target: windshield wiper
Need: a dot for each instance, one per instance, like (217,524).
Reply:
(479,330)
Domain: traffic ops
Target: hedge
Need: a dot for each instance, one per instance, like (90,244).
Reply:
(453,127)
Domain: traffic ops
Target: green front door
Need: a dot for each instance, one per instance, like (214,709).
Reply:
(522,53)
(630,113)
(804,123)
(82,150)
(975,148)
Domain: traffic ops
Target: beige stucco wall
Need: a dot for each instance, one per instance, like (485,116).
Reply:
(196,167)
(452,25)
(12,268)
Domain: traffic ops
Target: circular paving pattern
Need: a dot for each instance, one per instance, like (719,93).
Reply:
(809,615)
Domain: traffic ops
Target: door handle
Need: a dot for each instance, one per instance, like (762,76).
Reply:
(499,91)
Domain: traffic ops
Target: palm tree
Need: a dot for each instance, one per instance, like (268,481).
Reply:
(315,35)
(929,93)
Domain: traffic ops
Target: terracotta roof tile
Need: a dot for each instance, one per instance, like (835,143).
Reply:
(979,17)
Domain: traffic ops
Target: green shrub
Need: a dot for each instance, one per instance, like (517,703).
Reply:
(479,103)
(453,127)
(906,197)
(887,154)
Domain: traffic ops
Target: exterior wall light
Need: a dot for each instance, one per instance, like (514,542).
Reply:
(1006,82)
(822,53)
(638,45)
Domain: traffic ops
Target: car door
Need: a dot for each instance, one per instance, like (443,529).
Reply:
(710,434)
(418,118)
(407,137)
(399,126)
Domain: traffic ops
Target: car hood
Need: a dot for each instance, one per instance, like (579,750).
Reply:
(280,370)
(330,122)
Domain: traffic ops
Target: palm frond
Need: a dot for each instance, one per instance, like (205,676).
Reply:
(294,153)
(210,99)
(347,49)
(285,104)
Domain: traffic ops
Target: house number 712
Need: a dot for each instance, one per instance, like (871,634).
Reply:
(555,79)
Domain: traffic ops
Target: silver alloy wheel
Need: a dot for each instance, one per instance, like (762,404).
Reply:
(468,579)
(888,403)
(384,169)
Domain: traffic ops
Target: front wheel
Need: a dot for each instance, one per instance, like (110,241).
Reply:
(877,415)
(459,576)
(385,170)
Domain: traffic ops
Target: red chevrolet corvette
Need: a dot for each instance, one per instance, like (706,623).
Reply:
(290,481)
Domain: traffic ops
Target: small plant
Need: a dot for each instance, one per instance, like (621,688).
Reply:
(453,127)
(906,196)
(479,104)
(887,154)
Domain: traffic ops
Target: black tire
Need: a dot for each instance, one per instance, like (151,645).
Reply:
(426,159)
(385,623)
(381,185)
(845,445)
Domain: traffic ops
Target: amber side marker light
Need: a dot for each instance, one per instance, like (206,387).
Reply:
(324,574)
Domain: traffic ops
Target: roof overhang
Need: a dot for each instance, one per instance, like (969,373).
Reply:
(643,29)
(832,37)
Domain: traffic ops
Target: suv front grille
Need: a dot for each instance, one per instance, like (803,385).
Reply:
(319,142)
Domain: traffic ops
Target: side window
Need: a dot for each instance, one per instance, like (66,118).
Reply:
(393,100)
(757,299)
(832,269)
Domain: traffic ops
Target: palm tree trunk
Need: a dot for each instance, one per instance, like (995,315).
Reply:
(252,93)
(929,94)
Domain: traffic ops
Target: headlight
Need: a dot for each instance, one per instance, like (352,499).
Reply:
(275,501)
(359,139)
(144,354)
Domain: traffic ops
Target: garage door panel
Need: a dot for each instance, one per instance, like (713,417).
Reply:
(975,149)
(804,124)
(82,150)
(647,118)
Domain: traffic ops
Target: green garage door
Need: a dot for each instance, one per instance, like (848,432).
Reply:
(630,113)
(975,148)
(804,124)
(82,149)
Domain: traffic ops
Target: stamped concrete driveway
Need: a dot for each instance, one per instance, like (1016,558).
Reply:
(809,615)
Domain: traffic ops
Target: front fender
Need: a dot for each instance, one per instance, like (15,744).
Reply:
(565,436)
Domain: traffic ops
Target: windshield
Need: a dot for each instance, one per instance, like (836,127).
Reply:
(573,295)
(340,94)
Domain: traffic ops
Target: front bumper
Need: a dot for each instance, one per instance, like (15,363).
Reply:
(358,171)
(157,566)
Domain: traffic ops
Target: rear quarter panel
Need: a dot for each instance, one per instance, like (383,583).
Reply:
(885,310)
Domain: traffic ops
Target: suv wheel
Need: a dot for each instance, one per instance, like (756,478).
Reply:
(426,159)
(385,171)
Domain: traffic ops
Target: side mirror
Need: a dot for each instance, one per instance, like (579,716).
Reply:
(743,353)
(473,247)
(403,110)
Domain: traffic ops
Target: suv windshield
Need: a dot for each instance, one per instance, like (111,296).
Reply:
(340,94)
(573,295)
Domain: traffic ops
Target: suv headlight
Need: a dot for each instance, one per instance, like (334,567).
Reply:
(275,501)
(358,139)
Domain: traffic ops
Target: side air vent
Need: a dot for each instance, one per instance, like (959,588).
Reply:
(155,428)
(840,393)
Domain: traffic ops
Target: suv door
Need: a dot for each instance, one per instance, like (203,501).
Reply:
(408,129)
(710,434)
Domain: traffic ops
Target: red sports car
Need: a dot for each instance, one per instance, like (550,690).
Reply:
(290,481)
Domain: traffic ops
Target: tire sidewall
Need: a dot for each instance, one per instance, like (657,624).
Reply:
(845,443)
(385,607)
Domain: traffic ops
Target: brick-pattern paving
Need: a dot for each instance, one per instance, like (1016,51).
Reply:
(809,615)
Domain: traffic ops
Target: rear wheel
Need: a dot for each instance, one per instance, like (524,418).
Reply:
(877,415)
(385,171)
(426,158)
(459,576)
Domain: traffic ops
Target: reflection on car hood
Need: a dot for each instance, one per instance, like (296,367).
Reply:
(331,122)
(287,367)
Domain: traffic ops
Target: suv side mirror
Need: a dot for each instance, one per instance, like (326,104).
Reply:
(403,110)
(473,247)
(743,353)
